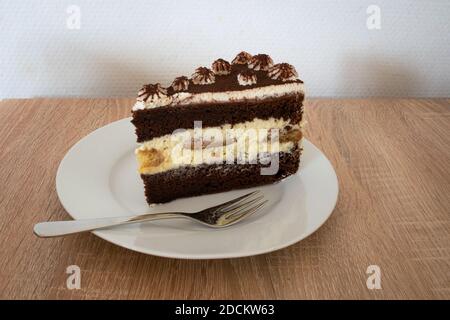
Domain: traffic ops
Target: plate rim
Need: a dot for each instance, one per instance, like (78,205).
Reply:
(196,256)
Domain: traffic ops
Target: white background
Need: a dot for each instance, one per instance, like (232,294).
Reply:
(122,44)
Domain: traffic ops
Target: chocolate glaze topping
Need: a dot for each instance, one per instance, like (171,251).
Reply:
(151,92)
(180,84)
(257,70)
(203,75)
(242,58)
(247,77)
(221,67)
(261,62)
(283,72)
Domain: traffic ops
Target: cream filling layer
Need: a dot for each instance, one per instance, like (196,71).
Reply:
(260,93)
(246,142)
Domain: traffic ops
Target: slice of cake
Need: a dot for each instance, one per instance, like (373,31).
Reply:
(234,125)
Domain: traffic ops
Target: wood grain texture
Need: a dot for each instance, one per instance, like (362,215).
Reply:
(392,157)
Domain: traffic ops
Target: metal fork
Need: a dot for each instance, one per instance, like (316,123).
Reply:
(220,216)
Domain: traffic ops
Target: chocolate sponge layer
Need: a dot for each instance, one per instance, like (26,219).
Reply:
(205,179)
(156,122)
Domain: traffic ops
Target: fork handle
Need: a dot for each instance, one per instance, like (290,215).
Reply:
(62,228)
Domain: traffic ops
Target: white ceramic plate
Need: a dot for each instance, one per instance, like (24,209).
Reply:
(98,178)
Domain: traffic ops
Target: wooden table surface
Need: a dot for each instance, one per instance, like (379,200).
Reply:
(392,158)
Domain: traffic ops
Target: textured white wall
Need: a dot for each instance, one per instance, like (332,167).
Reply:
(122,44)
